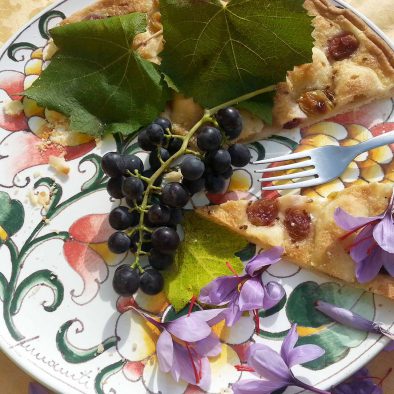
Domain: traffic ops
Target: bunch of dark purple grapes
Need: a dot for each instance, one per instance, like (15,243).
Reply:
(147,225)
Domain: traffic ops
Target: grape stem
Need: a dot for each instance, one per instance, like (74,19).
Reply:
(245,97)
(208,117)
(150,185)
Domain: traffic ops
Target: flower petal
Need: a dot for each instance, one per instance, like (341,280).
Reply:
(268,257)
(389,347)
(346,317)
(384,231)
(184,369)
(289,343)
(368,268)
(208,347)
(165,351)
(255,387)
(252,295)
(232,313)
(269,364)
(349,222)
(363,244)
(209,315)
(274,292)
(219,291)
(189,328)
(303,354)
(155,380)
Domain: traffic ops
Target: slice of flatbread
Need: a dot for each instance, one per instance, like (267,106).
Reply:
(352,66)
(307,230)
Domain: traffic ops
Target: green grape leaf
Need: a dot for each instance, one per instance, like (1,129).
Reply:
(12,216)
(216,52)
(98,80)
(200,259)
(316,328)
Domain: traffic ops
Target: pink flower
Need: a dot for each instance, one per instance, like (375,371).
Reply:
(87,253)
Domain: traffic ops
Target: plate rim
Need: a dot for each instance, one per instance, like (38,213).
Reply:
(40,375)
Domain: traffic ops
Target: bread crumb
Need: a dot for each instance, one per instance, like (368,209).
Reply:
(13,107)
(59,164)
(173,176)
(100,348)
(33,198)
(46,220)
(49,50)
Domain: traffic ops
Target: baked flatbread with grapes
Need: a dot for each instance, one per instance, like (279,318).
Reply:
(351,67)
(306,229)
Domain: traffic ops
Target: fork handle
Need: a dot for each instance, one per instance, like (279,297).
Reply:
(380,140)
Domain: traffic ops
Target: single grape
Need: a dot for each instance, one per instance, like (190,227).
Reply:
(209,138)
(111,163)
(174,195)
(159,215)
(133,188)
(174,145)
(144,141)
(132,163)
(240,155)
(192,168)
(215,184)
(154,160)
(119,242)
(126,280)
(165,240)
(151,282)
(114,187)
(121,218)
(159,260)
(230,121)
(219,161)
(164,123)
(194,186)
(228,173)
(176,216)
(155,133)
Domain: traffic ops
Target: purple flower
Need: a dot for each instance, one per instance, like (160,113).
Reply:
(389,347)
(359,383)
(185,344)
(275,369)
(353,320)
(247,292)
(36,388)
(373,247)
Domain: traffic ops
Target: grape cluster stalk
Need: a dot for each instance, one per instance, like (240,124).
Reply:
(148,228)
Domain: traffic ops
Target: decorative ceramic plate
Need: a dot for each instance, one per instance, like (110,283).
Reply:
(62,322)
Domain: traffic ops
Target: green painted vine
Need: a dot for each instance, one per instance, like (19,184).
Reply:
(75,355)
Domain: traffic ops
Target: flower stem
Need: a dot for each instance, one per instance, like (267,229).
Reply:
(245,97)
(151,186)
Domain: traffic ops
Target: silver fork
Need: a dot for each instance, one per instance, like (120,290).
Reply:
(328,163)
